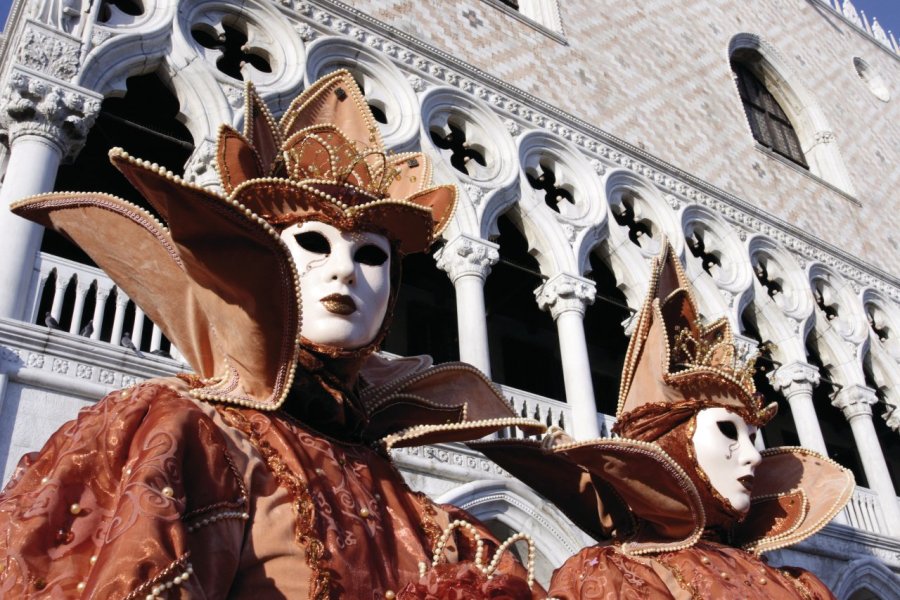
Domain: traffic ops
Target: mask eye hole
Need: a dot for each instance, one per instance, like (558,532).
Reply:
(728,429)
(370,255)
(753,437)
(313,241)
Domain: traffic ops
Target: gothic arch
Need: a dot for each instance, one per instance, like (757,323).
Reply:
(490,189)
(628,192)
(817,138)
(127,49)
(783,317)
(840,331)
(716,262)
(870,574)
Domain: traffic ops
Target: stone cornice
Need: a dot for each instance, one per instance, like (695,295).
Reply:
(465,255)
(565,293)
(435,65)
(72,364)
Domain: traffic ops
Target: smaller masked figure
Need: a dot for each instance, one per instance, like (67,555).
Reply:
(265,473)
(682,499)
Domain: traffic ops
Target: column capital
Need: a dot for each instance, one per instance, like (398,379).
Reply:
(39,106)
(855,401)
(467,255)
(794,378)
(565,293)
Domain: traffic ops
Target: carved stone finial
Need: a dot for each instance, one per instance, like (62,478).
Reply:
(465,255)
(61,113)
(565,293)
(855,401)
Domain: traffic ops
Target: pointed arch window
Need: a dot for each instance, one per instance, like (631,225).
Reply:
(768,122)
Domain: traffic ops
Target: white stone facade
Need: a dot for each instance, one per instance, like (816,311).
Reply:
(632,107)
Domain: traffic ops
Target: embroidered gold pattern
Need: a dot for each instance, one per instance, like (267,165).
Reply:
(304,508)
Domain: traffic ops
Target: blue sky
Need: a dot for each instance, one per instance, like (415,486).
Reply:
(887,12)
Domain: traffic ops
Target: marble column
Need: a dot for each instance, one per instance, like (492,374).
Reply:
(796,382)
(856,403)
(468,260)
(46,121)
(567,297)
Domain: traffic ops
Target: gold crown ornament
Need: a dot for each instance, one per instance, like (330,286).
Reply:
(325,158)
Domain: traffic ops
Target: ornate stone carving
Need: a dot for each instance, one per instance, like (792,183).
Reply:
(475,193)
(60,113)
(564,293)
(49,52)
(512,127)
(84,371)
(825,137)
(307,33)
(417,83)
(892,417)
(855,401)
(107,377)
(60,366)
(599,167)
(794,378)
(466,255)
(200,167)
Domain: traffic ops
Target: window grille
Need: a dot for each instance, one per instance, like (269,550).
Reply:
(768,122)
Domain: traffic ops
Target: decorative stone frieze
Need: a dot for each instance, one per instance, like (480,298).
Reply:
(48,51)
(855,401)
(61,113)
(466,255)
(565,293)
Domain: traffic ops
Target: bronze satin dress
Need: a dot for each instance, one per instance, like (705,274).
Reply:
(149,487)
(707,570)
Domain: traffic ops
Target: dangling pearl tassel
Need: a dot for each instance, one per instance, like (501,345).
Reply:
(490,569)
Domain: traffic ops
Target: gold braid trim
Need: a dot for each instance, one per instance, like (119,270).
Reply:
(320,578)
(795,581)
(432,530)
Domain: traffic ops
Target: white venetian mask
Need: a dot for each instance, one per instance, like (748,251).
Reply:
(345,282)
(725,450)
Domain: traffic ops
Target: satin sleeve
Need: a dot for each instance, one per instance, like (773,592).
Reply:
(136,495)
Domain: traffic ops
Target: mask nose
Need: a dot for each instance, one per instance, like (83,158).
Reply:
(750,456)
(341,266)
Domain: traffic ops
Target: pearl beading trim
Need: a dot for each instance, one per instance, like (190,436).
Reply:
(155,588)
(418,431)
(285,378)
(228,514)
(490,569)
(654,451)
(377,397)
(793,537)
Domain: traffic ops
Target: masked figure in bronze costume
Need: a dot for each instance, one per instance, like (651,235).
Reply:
(682,500)
(266,472)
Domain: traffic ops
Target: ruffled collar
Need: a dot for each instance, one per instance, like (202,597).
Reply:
(634,492)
